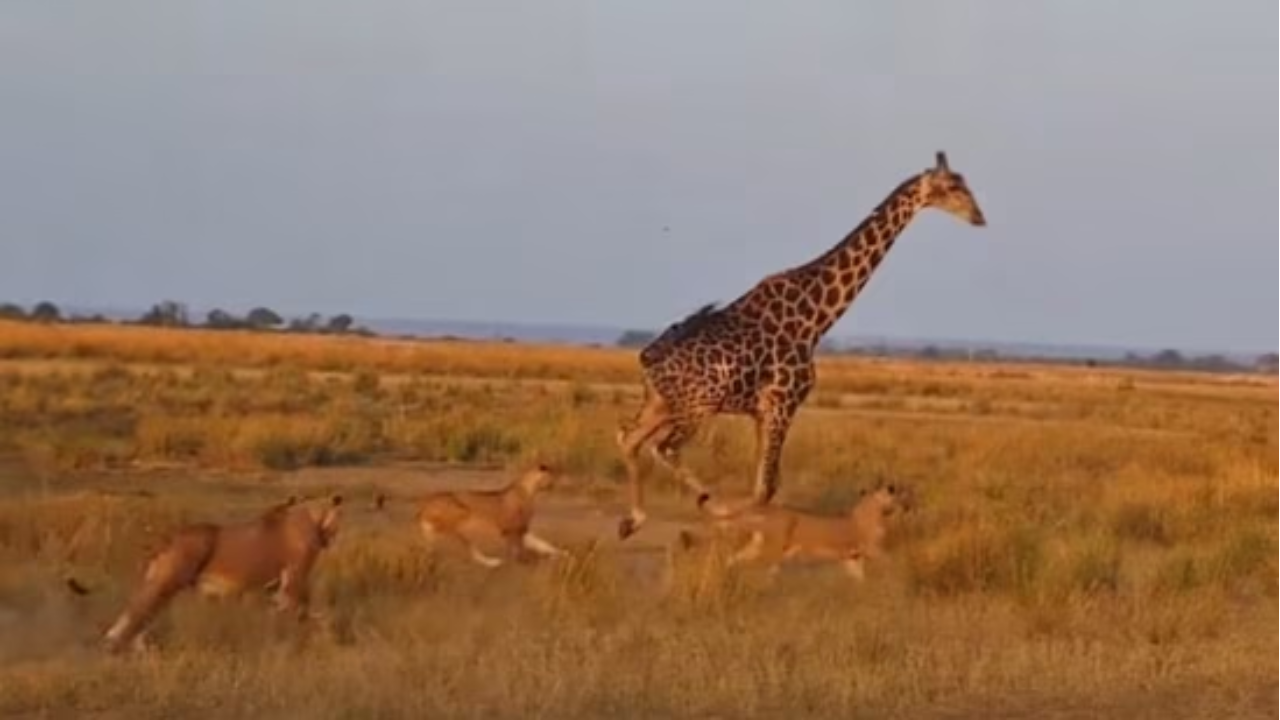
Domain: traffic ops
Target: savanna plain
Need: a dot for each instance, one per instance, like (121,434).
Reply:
(1085,542)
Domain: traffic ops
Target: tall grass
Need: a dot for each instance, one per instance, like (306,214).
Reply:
(1084,542)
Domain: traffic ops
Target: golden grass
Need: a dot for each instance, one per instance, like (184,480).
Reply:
(1087,543)
(158,346)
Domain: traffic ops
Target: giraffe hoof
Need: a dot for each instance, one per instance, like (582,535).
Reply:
(626,528)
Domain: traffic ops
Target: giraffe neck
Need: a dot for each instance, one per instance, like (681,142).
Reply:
(833,280)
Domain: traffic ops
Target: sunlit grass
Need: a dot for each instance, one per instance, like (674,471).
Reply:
(1086,540)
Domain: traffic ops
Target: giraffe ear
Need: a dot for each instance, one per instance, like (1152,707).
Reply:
(942,162)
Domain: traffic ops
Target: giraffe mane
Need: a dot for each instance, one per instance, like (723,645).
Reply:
(677,331)
(691,322)
(700,314)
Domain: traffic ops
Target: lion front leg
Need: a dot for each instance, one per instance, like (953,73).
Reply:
(749,552)
(854,566)
(479,557)
(540,546)
(294,594)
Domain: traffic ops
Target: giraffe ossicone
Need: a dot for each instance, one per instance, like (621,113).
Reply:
(755,355)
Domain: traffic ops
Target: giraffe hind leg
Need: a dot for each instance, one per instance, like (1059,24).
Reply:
(666,450)
(653,417)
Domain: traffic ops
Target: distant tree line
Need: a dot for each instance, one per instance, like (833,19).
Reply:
(1162,360)
(172,314)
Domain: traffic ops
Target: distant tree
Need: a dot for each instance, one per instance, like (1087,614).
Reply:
(340,323)
(1214,363)
(46,311)
(12,311)
(262,318)
(166,313)
(219,319)
(635,338)
(310,323)
(828,346)
(1169,358)
(930,352)
(94,319)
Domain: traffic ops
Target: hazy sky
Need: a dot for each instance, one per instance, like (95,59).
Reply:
(520,160)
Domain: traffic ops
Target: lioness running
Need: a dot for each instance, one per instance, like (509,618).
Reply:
(274,551)
(779,534)
(505,512)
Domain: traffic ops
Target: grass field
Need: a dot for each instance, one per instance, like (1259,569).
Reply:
(1087,543)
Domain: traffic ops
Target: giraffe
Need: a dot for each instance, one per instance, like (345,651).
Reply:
(754,356)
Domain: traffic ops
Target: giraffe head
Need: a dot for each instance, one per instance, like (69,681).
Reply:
(946,190)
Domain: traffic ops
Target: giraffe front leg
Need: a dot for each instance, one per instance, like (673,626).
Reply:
(771,435)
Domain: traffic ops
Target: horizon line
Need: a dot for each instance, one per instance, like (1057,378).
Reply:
(128,312)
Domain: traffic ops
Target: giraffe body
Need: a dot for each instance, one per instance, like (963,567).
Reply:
(754,356)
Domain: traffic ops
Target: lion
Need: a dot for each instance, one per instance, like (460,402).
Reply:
(778,534)
(506,512)
(273,552)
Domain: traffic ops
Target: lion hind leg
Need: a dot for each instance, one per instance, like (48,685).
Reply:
(173,569)
(160,583)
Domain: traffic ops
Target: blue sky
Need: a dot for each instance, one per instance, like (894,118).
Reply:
(519,161)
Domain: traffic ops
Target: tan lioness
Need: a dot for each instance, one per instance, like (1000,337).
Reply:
(506,513)
(778,534)
(274,551)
